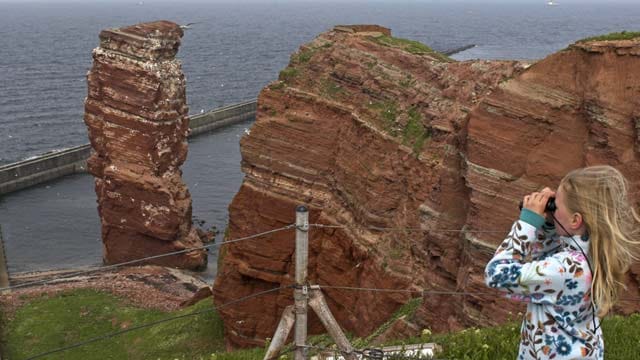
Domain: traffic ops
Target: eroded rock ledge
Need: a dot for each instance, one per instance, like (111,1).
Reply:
(137,118)
(148,286)
(370,130)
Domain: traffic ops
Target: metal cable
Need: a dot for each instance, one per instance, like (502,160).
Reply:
(131,262)
(109,267)
(150,324)
(290,226)
(421,292)
(327,226)
(429,292)
(106,336)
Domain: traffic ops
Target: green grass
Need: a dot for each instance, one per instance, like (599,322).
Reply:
(414,133)
(388,111)
(331,89)
(411,46)
(49,323)
(623,35)
(304,55)
(288,74)
(405,310)
(246,354)
(482,344)
(52,322)
(408,81)
(277,85)
(621,339)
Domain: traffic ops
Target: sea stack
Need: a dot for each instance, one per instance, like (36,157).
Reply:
(137,119)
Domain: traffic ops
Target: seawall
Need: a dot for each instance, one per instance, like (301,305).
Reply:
(221,117)
(50,166)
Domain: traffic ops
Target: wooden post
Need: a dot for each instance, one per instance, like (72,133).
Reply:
(319,305)
(282,333)
(301,293)
(4,271)
(301,298)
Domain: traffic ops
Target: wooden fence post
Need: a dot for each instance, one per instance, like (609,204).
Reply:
(301,292)
(319,305)
(301,295)
(281,334)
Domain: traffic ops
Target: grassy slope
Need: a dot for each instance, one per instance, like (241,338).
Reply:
(623,35)
(50,323)
(621,338)
(411,46)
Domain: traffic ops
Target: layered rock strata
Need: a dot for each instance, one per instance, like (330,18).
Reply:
(136,114)
(376,132)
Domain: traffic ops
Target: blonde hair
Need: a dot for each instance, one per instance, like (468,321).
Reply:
(600,195)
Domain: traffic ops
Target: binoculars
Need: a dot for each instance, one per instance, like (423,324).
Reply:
(550,207)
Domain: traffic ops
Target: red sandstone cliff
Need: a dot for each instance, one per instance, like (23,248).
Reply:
(136,114)
(368,130)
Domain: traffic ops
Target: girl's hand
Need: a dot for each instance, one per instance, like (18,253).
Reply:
(537,201)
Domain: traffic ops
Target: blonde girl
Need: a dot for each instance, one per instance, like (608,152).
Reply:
(568,263)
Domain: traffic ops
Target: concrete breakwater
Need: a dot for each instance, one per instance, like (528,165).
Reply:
(46,167)
(224,116)
(458,49)
(25,173)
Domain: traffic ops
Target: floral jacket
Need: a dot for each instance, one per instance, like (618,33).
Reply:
(551,274)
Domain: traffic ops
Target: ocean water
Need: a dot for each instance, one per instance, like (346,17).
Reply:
(56,225)
(234,49)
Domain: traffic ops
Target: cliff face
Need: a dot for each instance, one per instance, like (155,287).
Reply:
(372,131)
(136,114)
(575,108)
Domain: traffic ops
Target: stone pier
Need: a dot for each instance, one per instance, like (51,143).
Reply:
(136,115)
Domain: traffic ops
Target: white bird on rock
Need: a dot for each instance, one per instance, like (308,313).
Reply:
(187,26)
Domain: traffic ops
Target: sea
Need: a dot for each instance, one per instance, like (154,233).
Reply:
(233,50)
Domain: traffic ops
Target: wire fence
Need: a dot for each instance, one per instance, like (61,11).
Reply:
(228,242)
(407,229)
(269,232)
(154,323)
(245,298)
(433,292)
(373,352)
(140,260)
